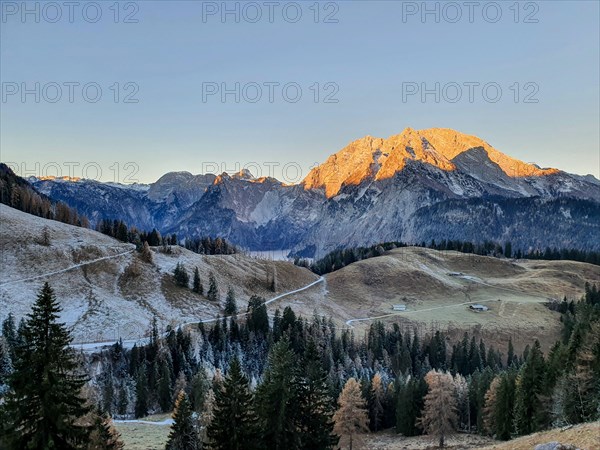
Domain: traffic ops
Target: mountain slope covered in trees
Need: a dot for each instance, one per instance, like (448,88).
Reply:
(241,379)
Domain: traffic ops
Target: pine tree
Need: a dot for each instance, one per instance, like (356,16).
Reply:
(278,399)
(197,284)
(352,417)
(461,390)
(207,415)
(141,393)
(439,412)
(165,394)
(504,406)
(9,333)
(199,389)
(376,402)
(529,410)
(213,289)
(123,400)
(407,409)
(5,366)
(510,358)
(181,276)
(585,380)
(104,435)
(183,435)
(234,425)
(315,409)
(258,319)
(146,253)
(44,405)
(108,393)
(230,305)
(180,384)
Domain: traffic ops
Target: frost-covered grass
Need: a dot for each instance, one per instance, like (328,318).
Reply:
(107,292)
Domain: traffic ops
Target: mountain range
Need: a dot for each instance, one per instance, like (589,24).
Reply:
(416,186)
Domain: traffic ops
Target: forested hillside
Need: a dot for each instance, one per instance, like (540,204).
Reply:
(293,382)
(19,194)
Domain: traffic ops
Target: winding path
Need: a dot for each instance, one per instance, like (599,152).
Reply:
(91,346)
(67,269)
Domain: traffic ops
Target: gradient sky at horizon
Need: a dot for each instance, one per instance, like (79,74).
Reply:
(368,54)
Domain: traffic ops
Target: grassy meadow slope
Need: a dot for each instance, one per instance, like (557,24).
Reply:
(437,287)
(139,436)
(118,295)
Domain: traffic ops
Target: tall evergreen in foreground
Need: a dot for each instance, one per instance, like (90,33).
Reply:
(315,407)
(234,425)
(184,435)
(44,408)
(278,399)
(529,410)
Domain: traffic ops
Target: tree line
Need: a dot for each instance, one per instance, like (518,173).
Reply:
(340,258)
(19,194)
(204,246)
(289,382)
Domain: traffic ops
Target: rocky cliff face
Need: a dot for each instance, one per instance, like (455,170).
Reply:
(415,186)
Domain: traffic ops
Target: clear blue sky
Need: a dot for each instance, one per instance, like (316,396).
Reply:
(371,50)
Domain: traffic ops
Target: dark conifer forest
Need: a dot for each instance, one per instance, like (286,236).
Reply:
(277,382)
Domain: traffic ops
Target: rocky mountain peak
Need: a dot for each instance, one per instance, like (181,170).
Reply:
(243,174)
(379,159)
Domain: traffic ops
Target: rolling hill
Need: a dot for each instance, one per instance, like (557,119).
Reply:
(108,292)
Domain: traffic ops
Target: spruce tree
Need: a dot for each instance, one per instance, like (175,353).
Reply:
(409,402)
(234,423)
(5,367)
(199,389)
(230,305)
(315,408)
(510,358)
(183,435)
(165,394)
(123,400)
(197,284)
(104,435)
(213,289)
(258,319)
(529,411)
(503,423)
(9,333)
(141,392)
(181,276)
(44,407)
(278,399)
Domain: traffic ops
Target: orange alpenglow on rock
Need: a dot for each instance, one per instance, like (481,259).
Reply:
(64,178)
(380,159)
